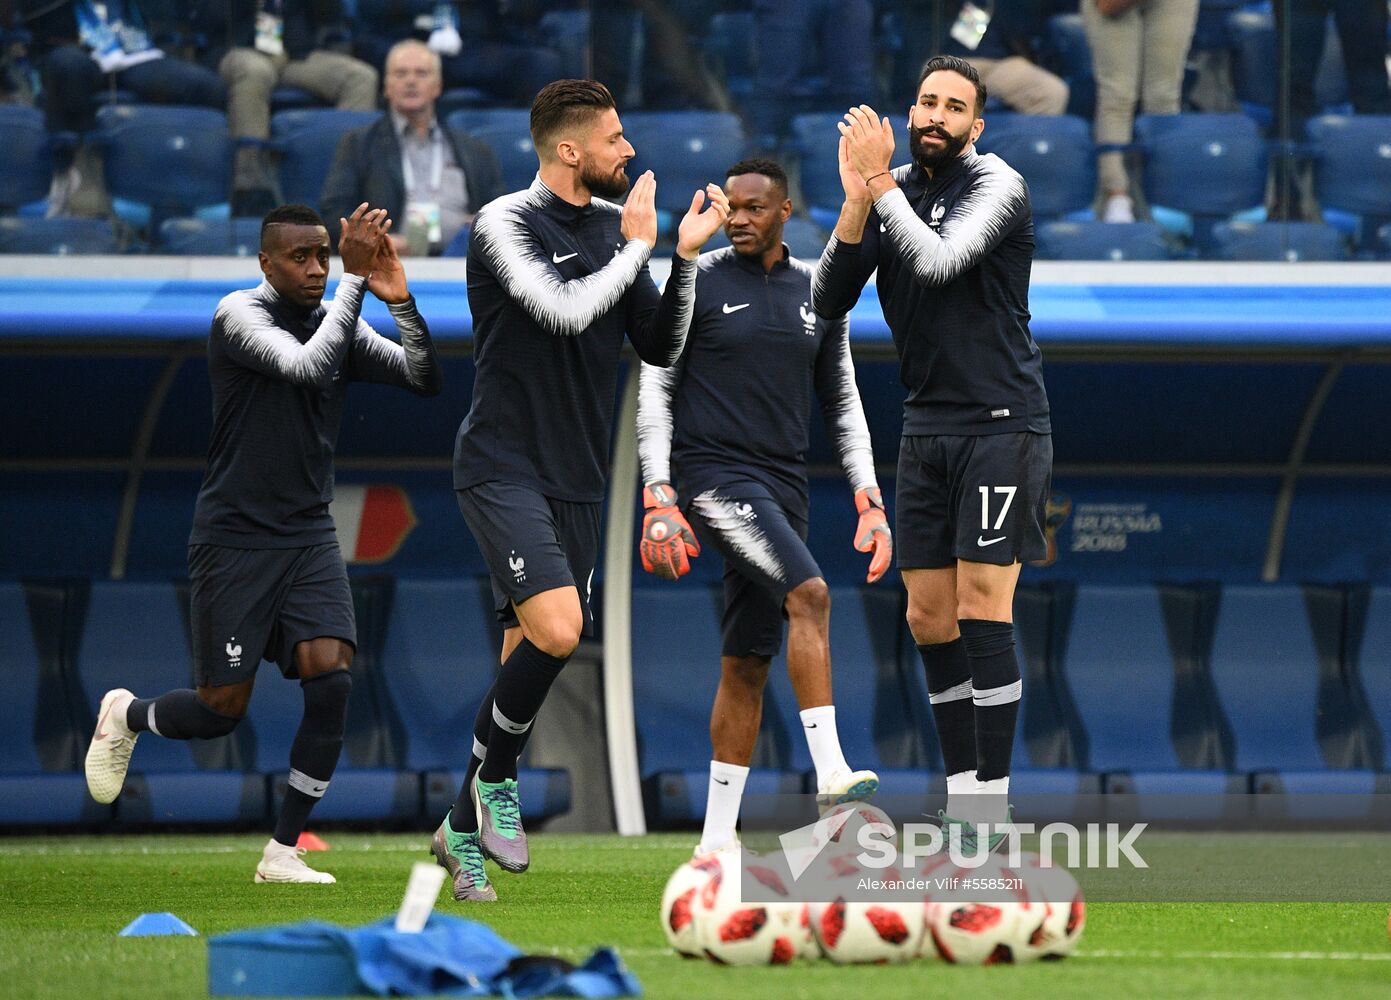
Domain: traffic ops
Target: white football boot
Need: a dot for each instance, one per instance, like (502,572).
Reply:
(285,864)
(108,755)
(846,786)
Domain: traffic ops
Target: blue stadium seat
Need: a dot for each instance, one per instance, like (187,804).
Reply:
(673,719)
(685,149)
(730,52)
(1121,675)
(307,140)
(1384,242)
(673,689)
(172,159)
(1210,166)
(1374,665)
(458,98)
(1102,241)
(1054,155)
(516,156)
(293,99)
(31,791)
(1266,659)
(210,237)
(136,637)
(26,169)
(440,658)
(1278,241)
(60,237)
(472,119)
(567,32)
(1352,167)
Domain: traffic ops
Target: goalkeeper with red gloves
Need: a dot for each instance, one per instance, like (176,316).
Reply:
(732,419)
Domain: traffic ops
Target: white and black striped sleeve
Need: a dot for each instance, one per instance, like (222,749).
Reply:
(522,266)
(252,339)
(658,325)
(841,406)
(656,404)
(981,220)
(412,364)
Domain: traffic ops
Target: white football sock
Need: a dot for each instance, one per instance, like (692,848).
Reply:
(961,790)
(722,805)
(992,801)
(819,725)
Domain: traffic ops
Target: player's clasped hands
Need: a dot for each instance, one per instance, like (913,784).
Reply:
(360,238)
(868,141)
(639,219)
(701,220)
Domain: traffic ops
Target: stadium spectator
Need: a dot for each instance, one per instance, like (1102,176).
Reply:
(1000,46)
(267,577)
(746,484)
(494,46)
(432,178)
(1139,48)
(556,279)
(79,46)
(836,38)
(262,44)
(1300,27)
(952,238)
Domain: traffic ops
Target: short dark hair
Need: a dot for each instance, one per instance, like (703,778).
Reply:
(768,168)
(563,104)
(289,215)
(955,65)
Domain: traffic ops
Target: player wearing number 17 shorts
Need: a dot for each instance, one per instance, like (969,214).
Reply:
(952,237)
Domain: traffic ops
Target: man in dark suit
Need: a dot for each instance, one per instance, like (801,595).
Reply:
(430,178)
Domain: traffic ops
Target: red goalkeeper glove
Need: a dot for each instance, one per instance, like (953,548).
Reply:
(872,533)
(668,543)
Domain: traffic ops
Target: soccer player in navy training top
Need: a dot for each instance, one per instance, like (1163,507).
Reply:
(268,580)
(556,277)
(952,237)
(729,422)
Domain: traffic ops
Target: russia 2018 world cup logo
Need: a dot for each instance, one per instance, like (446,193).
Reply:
(1055,514)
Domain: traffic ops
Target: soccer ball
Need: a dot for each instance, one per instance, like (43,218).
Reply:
(968,925)
(1056,914)
(730,931)
(864,931)
(967,933)
(859,931)
(679,903)
(839,826)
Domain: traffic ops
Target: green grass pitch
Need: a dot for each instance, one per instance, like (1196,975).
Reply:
(65,898)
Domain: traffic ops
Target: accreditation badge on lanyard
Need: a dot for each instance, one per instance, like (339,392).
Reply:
(270,30)
(971,25)
(423,215)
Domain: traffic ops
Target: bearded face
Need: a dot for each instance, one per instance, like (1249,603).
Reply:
(606,182)
(934,145)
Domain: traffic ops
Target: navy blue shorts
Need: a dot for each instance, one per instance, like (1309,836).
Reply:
(532,544)
(765,557)
(980,499)
(246,605)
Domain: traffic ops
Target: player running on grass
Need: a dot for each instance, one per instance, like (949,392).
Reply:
(952,237)
(268,580)
(556,278)
(731,421)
